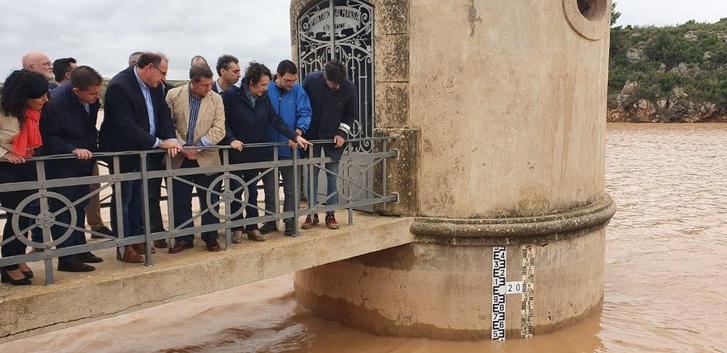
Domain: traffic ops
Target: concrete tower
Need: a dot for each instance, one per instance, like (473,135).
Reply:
(499,108)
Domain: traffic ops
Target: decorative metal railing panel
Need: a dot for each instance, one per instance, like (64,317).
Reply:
(37,213)
(346,35)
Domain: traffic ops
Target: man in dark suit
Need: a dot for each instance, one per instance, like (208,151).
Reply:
(68,126)
(136,118)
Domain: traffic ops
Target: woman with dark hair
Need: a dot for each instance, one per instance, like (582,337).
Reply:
(23,96)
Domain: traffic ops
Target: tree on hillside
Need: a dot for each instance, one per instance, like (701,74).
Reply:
(614,14)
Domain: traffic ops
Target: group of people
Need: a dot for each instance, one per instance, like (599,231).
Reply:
(143,112)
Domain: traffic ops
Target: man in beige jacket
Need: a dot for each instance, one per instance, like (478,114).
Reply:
(199,117)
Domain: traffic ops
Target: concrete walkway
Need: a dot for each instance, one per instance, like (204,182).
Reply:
(116,288)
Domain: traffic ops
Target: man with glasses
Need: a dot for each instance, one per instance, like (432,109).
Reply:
(248,113)
(40,63)
(292,104)
(136,118)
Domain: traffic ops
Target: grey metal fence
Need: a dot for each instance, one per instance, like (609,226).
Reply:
(351,190)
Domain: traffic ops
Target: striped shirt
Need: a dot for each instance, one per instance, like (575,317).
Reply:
(194,104)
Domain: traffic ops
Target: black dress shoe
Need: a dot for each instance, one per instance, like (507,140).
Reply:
(74,265)
(289,230)
(161,244)
(28,274)
(16,282)
(89,258)
(213,246)
(179,246)
(103,230)
(268,227)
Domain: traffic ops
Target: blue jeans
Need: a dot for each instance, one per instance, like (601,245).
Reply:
(131,209)
(331,178)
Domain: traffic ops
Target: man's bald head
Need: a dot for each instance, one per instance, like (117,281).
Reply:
(38,62)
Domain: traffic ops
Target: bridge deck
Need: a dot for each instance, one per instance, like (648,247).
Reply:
(117,288)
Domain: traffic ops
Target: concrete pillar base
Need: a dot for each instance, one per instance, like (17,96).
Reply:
(443,289)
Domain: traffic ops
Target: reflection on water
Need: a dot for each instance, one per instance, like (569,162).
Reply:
(666,276)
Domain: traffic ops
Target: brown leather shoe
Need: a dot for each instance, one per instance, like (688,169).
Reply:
(331,221)
(310,221)
(141,248)
(255,235)
(179,246)
(213,246)
(161,244)
(130,256)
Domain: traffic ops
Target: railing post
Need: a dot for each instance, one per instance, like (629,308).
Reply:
(145,207)
(322,167)
(170,200)
(276,176)
(311,191)
(229,201)
(44,210)
(347,184)
(120,231)
(296,191)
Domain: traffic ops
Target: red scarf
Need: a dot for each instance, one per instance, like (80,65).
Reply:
(29,136)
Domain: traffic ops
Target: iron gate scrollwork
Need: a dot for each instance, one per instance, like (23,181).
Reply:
(343,29)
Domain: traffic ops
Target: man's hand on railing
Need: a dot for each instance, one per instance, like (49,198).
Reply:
(14,158)
(172,146)
(82,154)
(237,144)
(338,141)
(190,154)
(303,143)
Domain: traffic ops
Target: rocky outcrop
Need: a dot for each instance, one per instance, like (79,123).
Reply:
(677,107)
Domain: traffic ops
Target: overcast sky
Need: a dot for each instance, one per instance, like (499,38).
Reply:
(102,33)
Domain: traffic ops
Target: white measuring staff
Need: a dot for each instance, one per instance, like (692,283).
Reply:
(501,287)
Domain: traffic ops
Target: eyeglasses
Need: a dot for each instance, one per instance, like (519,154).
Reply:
(164,73)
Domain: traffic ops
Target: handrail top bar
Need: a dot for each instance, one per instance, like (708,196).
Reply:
(215,147)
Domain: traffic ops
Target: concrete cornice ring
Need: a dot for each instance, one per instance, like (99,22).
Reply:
(537,229)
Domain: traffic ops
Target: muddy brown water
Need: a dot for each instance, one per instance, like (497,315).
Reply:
(666,276)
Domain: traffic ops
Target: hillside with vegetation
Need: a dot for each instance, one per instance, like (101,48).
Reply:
(668,74)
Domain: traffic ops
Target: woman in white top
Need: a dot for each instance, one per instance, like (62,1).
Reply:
(23,96)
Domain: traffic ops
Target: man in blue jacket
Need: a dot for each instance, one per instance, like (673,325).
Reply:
(248,113)
(292,104)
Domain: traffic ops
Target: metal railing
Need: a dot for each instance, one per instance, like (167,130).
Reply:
(352,189)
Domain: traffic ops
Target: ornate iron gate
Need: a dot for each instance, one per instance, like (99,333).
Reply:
(347,35)
(344,30)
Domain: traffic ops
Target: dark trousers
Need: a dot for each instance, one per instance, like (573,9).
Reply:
(11,173)
(131,202)
(77,236)
(270,184)
(68,170)
(251,210)
(155,162)
(183,202)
